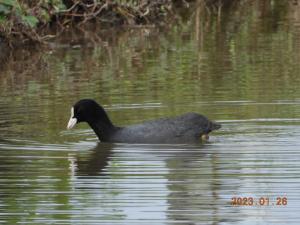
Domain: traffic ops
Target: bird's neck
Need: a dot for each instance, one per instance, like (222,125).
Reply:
(103,129)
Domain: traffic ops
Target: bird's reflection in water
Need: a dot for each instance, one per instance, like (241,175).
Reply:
(95,161)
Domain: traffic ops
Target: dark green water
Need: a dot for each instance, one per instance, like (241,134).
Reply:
(242,72)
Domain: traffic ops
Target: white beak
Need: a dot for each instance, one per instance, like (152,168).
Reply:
(72,122)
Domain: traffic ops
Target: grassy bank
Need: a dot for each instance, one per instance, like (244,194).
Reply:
(24,21)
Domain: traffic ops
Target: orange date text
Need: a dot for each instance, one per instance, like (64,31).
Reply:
(260,201)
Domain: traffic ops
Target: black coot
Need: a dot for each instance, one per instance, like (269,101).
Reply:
(187,128)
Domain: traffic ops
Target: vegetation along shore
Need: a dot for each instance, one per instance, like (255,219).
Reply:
(23,21)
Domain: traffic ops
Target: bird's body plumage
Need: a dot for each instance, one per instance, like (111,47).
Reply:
(181,129)
(186,128)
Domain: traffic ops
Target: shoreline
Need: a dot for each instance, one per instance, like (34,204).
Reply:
(24,24)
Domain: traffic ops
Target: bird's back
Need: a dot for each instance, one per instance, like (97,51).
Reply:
(182,129)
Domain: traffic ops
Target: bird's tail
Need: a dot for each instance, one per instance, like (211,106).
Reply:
(214,126)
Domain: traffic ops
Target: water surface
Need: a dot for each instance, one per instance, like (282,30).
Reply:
(241,70)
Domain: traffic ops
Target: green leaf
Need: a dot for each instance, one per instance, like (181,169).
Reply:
(58,5)
(4,9)
(31,21)
(2,18)
(11,3)
(44,16)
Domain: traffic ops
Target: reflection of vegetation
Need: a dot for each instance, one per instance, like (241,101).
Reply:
(243,56)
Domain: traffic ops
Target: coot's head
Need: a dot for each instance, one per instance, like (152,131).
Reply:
(87,110)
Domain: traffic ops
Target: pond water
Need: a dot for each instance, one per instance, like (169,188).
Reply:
(241,70)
